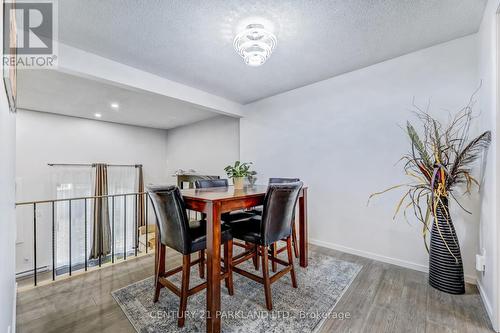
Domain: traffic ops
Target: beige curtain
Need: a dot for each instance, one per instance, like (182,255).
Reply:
(140,206)
(101,237)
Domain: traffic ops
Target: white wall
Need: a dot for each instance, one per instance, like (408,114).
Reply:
(342,136)
(207,146)
(489,232)
(7,210)
(47,138)
(7,213)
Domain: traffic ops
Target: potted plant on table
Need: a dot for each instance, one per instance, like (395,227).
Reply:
(238,172)
(439,161)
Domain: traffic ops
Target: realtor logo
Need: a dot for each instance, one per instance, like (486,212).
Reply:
(30,30)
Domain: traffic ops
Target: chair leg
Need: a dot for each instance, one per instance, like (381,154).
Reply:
(201,264)
(266,278)
(160,269)
(186,268)
(256,258)
(228,266)
(274,254)
(290,261)
(294,239)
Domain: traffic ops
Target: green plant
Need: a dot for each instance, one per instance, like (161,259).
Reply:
(439,160)
(239,170)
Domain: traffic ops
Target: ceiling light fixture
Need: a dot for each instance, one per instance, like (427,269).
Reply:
(97,115)
(115,106)
(255,44)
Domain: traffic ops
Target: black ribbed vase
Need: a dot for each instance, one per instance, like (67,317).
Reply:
(446,272)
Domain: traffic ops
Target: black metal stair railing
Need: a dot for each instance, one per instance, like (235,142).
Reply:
(102,257)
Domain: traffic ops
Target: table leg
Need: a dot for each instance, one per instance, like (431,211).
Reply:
(303,237)
(213,267)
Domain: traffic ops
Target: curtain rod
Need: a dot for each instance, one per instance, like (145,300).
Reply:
(93,164)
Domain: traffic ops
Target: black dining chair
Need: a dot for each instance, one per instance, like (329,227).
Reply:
(225,217)
(206,183)
(274,225)
(176,231)
(274,247)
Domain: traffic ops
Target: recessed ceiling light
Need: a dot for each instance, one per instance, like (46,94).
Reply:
(115,106)
(255,44)
(97,115)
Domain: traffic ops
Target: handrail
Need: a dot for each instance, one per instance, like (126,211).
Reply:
(94,164)
(139,196)
(79,198)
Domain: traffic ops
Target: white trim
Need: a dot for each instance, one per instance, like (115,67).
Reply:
(487,304)
(30,272)
(494,309)
(14,307)
(379,257)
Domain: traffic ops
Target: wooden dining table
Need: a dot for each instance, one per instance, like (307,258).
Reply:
(215,201)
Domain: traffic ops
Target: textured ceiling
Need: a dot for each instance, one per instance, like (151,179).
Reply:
(191,41)
(56,92)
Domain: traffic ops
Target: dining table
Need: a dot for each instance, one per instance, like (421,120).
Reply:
(215,201)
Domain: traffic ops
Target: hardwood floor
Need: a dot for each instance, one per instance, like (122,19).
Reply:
(382,298)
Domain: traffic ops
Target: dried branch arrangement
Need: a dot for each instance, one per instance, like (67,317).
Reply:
(440,159)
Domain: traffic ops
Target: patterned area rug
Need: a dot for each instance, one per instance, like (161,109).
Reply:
(320,287)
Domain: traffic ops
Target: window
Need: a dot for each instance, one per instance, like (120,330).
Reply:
(122,180)
(73,182)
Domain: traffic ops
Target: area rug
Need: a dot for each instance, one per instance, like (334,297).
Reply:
(320,286)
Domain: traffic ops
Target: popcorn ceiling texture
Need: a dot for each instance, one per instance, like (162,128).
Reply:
(191,41)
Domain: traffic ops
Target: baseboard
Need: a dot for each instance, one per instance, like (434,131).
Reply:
(378,257)
(14,307)
(487,306)
(28,272)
